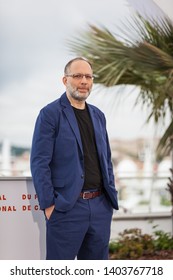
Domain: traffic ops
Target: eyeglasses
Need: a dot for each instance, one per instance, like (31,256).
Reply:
(78,77)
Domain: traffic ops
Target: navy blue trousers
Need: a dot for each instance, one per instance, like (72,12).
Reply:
(82,233)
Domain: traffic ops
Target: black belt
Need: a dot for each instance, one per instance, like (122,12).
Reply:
(89,195)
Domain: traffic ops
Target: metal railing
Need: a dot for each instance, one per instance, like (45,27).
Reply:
(145,194)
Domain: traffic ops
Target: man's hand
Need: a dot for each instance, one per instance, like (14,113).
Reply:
(48,211)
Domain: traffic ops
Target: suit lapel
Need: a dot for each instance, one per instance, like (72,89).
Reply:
(68,110)
(97,129)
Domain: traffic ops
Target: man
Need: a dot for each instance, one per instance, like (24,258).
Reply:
(72,170)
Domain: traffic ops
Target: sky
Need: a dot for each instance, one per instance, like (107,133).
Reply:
(34,51)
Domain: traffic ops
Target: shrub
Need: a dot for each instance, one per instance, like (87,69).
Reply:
(163,241)
(132,244)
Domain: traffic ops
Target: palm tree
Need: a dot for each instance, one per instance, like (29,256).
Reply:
(146,62)
(170,189)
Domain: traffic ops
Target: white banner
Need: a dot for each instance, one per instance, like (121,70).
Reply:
(22,225)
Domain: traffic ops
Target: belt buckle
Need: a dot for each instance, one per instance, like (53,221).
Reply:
(83,195)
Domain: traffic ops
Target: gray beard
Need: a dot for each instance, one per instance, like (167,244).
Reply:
(76,95)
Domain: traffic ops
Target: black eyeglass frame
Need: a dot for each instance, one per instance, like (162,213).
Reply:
(80,76)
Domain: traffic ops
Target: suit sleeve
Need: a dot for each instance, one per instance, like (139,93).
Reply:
(109,158)
(110,166)
(41,156)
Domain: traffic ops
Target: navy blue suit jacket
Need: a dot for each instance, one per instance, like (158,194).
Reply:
(57,161)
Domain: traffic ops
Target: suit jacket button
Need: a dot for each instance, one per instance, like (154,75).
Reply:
(82,176)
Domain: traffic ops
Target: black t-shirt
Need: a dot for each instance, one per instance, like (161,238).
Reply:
(93,176)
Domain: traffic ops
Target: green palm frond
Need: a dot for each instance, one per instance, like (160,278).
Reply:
(166,142)
(146,62)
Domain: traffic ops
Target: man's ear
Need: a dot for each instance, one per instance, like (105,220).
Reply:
(64,80)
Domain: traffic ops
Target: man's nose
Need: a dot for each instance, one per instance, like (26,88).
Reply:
(84,80)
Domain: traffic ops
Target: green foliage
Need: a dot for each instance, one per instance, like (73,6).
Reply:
(132,244)
(164,201)
(114,246)
(163,241)
(170,186)
(143,202)
(144,60)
